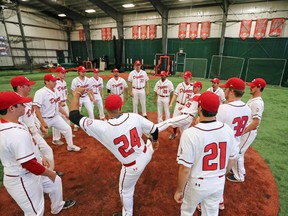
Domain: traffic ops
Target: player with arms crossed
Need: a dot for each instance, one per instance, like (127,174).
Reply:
(117,85)
(256,104)
(217,90)
(203,156)
(121,135)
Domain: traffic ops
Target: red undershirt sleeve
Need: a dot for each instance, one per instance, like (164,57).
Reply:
(34,167)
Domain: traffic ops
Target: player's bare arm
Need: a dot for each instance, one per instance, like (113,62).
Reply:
(171,97)
(252,126)
(45,162)
(130,89)
(147,88)
(155,97)
(39,116)
(126,94)
(183,175)
(62,111)
(172,101)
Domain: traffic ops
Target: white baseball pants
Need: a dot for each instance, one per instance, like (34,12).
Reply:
(177,112)
(99,103)
(139,94)
(163,102)
(182,121)
(55,132)
(88,105)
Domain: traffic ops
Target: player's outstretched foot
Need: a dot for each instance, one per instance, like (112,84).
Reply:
(233,179)
(57,142)
(69,204)
(73,148)
(172,136)
(117,214)
(60,174)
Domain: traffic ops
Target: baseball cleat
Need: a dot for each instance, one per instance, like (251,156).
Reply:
(69,204)
(73,148)
(117,214)
(60,174)
(233,179)
(172,136)
(57,142)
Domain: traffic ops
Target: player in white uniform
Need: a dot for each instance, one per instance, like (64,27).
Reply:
(87,98)
(61,86)
(123,140)
(256,104)
(188,112)
(163,92)
(203,155)
(138,81)
(217,90)
(182,93)
(25,178)
(117,85)
(47,107)
(96,83)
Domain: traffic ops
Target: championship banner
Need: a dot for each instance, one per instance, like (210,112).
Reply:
(135,33)
(205,29)
(276,27)
(104,34)
(81,35)
(182,30)
(152,31)
(193,30)
(245,29)
(260,28)
(143,32)
(109,33)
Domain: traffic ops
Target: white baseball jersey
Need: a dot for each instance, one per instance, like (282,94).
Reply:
(163,89)
(30,119)
(61,86)
(48,102)
(96,85)
(124,137)
(138,79)
(77,82)
(219,92)
(236,115)
(257,107)
(206,149)
(191,106)
(183,92)
(116,86)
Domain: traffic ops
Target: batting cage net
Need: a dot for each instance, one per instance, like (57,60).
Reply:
(272,70)
(198,66)
(225,67)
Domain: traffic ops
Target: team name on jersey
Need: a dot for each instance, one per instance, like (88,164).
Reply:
(30,112)
(138,77)
(162,87)
(117,85)
(84,86)
(186,90)
(54,100)
(96,86)
(61,88)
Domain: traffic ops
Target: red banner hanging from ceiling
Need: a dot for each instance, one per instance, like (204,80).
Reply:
(152,31)
(81,35)
(109,34)
(193,30)
(260,28)
(143,32)
(104,34)
(182,30)
(135,32)
(205,30)
(276,27)
(245,29)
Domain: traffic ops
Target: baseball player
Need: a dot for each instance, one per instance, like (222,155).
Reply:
(256,104)
(96,83)
(87,98)
(138,81)
(61,86)
(182,92)
(123,140)
(117,85)
(203,155)
(25,178)
(217,90)
(163,92)
(47,108)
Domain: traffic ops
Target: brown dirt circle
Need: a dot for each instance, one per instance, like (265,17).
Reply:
(91,178)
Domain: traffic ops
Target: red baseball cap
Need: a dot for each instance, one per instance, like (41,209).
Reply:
(8,99)
(113,102)
(187,75)
(235,83)
(115,70)
(21,80)
(209,101)
(197,84)
(137,63)
(163,73)
(215,80)
(50,77)
(259,82)
(81,69)
(96,70)
(61,70)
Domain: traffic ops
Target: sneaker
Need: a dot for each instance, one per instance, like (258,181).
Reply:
(76,129)
(233,179)
(69,204)
(172,136)
(57,142)
(117,214)
(60,174)
(73,148)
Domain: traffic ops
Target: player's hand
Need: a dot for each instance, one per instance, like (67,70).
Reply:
(170,106)
(45,162)
(147,93)
(126,97)
(155,145)
(131,94)
(52,176)
(180,108)
(155,101)
(44,128)
(79,91)
(178,196)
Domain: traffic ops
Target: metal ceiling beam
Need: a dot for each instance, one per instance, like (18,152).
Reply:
(224,21)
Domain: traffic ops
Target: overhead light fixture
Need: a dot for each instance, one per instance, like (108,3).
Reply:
(90,11)
(62,15)
(128,5)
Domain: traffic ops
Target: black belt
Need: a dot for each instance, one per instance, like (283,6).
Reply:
(49,117)
(187,114)
(218,177)
(138,88)
(134,162)
(163,96)
(16,175)
(180,103)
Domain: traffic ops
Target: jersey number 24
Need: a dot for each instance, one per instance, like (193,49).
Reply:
(213,149)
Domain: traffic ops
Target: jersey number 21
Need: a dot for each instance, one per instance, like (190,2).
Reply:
(213,149)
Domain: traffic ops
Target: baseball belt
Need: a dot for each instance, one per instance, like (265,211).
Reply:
(134,162)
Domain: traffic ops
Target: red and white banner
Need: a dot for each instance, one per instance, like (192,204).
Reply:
(205,30)
(135,32)
(152,31)
(81,35)
(193,30)
(276,27)
(104,34)
(245,29)
(143,32)
(260,28)
(109,34)
(182,30)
